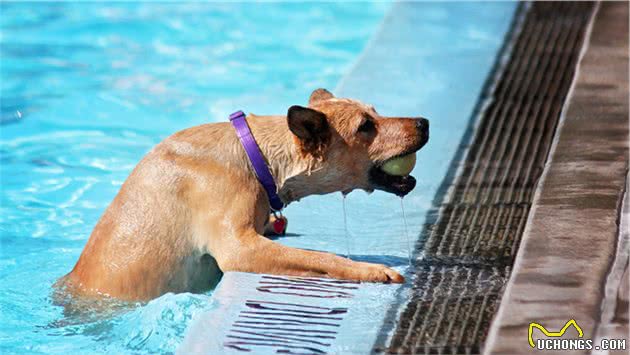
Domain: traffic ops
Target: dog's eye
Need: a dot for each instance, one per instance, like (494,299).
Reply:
(367,127)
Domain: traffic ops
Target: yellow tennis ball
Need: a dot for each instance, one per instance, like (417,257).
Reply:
(400,166)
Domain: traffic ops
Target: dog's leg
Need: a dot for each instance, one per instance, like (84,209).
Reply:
(258,254)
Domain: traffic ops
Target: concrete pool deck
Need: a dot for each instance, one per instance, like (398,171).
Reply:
(573,260)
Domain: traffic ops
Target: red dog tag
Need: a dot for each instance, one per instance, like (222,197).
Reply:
(279,225)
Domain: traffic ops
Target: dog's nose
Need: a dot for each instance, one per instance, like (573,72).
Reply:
(422,124)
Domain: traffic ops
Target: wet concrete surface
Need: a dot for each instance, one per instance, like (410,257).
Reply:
(466,251)
(572,246)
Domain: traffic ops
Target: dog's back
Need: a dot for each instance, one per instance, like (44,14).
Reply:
(148,227)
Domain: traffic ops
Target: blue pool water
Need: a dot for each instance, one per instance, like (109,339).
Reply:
(88,89)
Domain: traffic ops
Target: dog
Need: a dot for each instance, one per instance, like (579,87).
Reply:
(193,207)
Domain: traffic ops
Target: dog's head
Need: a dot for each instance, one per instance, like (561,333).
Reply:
(350,142)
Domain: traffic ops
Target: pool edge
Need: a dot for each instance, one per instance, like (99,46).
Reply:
(551,223)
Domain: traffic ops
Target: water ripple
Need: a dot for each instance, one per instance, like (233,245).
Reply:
(88,88)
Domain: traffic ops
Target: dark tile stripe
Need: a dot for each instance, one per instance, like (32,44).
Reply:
(465,256)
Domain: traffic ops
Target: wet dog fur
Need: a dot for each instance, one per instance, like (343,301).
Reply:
(193,208)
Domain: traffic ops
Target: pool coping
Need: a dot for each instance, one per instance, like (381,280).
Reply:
(497,190)
(562,272)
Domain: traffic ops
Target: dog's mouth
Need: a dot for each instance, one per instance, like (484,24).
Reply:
(392,175)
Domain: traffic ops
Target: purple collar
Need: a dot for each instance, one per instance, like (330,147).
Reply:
(255,157)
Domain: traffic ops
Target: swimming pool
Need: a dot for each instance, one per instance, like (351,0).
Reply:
(87,89)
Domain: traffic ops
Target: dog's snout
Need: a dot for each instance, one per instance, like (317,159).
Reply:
(422,124)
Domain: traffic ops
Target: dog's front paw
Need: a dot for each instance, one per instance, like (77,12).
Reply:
(378,273)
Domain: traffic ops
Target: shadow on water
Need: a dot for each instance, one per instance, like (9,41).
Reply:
(286,235)
(388,260)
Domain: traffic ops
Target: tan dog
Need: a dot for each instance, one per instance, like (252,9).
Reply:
(193,206)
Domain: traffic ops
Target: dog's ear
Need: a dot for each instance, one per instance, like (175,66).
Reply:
(310,126)
(319,95)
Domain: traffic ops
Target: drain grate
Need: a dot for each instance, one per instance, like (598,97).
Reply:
(465,256)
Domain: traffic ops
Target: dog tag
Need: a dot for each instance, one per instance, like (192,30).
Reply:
(280,225)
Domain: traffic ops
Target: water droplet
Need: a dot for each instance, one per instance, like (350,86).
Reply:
(404,218)
(345,226)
